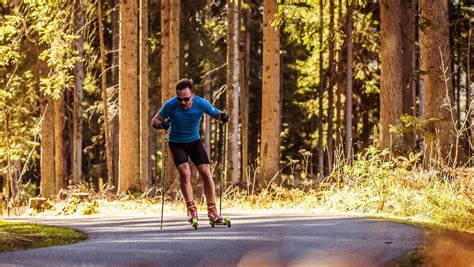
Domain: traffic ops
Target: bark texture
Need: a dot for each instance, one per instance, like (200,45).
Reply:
(270,136)
(233,91)
(440,143)
(129,176)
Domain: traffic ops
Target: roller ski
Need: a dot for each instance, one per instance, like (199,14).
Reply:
(215,218)
(192,215)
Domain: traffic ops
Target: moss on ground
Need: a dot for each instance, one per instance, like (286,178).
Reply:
(16,236)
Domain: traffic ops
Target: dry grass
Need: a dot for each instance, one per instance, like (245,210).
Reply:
(371,186)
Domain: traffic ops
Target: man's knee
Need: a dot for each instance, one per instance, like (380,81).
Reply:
(184,172)
(205,171)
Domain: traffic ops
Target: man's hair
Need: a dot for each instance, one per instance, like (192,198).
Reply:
(183,84)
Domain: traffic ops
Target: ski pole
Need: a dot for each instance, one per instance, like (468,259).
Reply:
(163,178)
(224,171)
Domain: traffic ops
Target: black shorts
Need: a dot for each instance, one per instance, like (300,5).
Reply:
(195,150)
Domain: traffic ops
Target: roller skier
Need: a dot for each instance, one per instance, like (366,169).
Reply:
(182,116)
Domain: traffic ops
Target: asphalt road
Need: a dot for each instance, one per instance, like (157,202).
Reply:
(253,240)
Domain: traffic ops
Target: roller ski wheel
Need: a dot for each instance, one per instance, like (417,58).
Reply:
(194,223)
(192,214)
(223,221)
(214,218)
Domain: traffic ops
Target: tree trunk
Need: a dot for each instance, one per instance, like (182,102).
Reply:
(339,75)
(439,134)
(174,33)
(270,138)
(233,91)
(144,118)
(244,99)
(129,175)
(391,98)
(408,57)
(59,157)
(165,51)
(207,119)
(469,106)
(15,186)
(115,42)
(348,113)
(165,71)
(174,23)
(7,188)
(391,86)
(47,147)
(207,92)
(114,117)
(166,85)
(78,95)
(108,154)
(330,119)
(320,100)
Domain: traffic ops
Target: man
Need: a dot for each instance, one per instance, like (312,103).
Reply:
(182,115)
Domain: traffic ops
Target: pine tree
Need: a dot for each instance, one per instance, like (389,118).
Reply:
(233,91)
(129,175)
(439,135)
(270,136)
(391,98)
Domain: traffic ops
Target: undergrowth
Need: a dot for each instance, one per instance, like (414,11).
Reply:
(371,185)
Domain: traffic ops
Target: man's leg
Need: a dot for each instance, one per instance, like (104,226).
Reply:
(209,187)
(185,181)
(210,192)
(187,190)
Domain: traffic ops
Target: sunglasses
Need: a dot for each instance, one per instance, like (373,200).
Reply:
(185,99)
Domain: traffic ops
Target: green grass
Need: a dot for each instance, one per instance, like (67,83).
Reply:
(16,236)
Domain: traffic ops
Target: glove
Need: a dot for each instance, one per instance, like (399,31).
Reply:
(165,125)
(224,117)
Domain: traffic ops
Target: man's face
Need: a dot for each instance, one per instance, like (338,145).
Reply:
(185,98)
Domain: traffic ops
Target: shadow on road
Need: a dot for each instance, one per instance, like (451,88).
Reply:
(253,240)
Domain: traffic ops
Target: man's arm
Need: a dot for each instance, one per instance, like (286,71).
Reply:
(159,122)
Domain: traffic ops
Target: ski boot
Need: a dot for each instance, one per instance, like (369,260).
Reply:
(214,217)
(192,214)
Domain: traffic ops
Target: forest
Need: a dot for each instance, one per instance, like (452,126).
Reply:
(364,105)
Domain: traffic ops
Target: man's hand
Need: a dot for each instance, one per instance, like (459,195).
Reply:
(164,125)
(224,117)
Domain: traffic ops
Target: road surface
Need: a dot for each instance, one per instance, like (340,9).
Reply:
(253,240)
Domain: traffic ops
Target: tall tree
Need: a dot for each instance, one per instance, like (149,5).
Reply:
(469,107)
(143,80)
(78,94)
(129,176)
(47,147)
(114,117)
(108,148)
(166,91)
(320,95)
(339,73)
(408,58)
(170,67)
(244,96)
(330,118)
(348,105)
(174,35)
(270,137)
(233,90)
(59,157)
(391,98)
(439,134)
(165,51)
